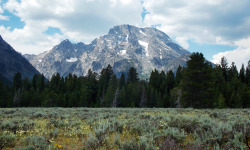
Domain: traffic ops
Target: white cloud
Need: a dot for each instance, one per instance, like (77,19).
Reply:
(203,21)
(2,17)
(218,22)
(78,20)
(12,6)
(239,55)
(183,41)
(25,41)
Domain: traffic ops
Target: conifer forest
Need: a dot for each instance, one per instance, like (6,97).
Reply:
(198,85)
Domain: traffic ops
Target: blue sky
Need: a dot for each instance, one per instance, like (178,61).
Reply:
(215,27)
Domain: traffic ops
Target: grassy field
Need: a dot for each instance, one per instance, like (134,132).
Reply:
(121,128)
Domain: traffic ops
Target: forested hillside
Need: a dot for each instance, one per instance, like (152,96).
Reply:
(198,85)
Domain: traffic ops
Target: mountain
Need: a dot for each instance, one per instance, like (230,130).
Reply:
(123,47)
(12,62)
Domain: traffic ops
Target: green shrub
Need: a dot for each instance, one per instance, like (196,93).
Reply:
(92,142)
(7,141)
(38,114)
(39,142)
(130,145)
(29,147)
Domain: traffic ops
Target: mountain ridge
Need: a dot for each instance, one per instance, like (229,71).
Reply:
(12,62)
(123,47)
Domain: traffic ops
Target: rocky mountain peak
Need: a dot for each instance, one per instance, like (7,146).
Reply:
(65,43)
(119,29)
(123,47)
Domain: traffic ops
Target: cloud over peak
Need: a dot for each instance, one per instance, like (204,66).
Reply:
(77,20)
(220,22)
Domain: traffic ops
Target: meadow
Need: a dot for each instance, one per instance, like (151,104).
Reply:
(124,128)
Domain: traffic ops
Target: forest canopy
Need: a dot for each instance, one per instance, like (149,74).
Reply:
(198,85)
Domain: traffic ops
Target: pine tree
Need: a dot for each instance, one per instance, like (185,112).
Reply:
(26,85)
(224,67)
(175,97)
(133,91)
(235,88)
(166,100)
(91,89)
(115,101)
(178,76)
(242,73)
(248,74)
(245,97)
(122,81)
(54,83)
(136,93)
(122,98)
(159,101)
(5,96)
(17,81)
(132,75)
(235,100)
(232,72)
(198,83)
(152,97)
(17,85)
(220,83)
(61,100)
(103,82)
(143,101)
(169,81)
(111,92)
(221,102)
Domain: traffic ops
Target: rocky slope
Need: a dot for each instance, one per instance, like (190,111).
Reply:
(123,47)
(12,62)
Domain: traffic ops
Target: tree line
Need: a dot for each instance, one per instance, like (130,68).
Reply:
(198,85)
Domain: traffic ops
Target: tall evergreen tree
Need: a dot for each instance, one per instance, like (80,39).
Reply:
(143,101)
(17,85)
(111,92)
(235,88)
(34,81)
(103,83)
(248,74)
(169,81)
(178,75)
(220,82)
(55,82)
(122,98)
(17,81)
(5,96)
(91,88)
(245,96)
(242,73)
(122,81)
(232,72)
(132,75)
(198,83)
(224,67)
(154,80)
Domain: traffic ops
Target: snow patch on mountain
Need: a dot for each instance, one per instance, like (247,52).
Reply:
(72,59)
(142,33)
(122,52)
(145,46)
